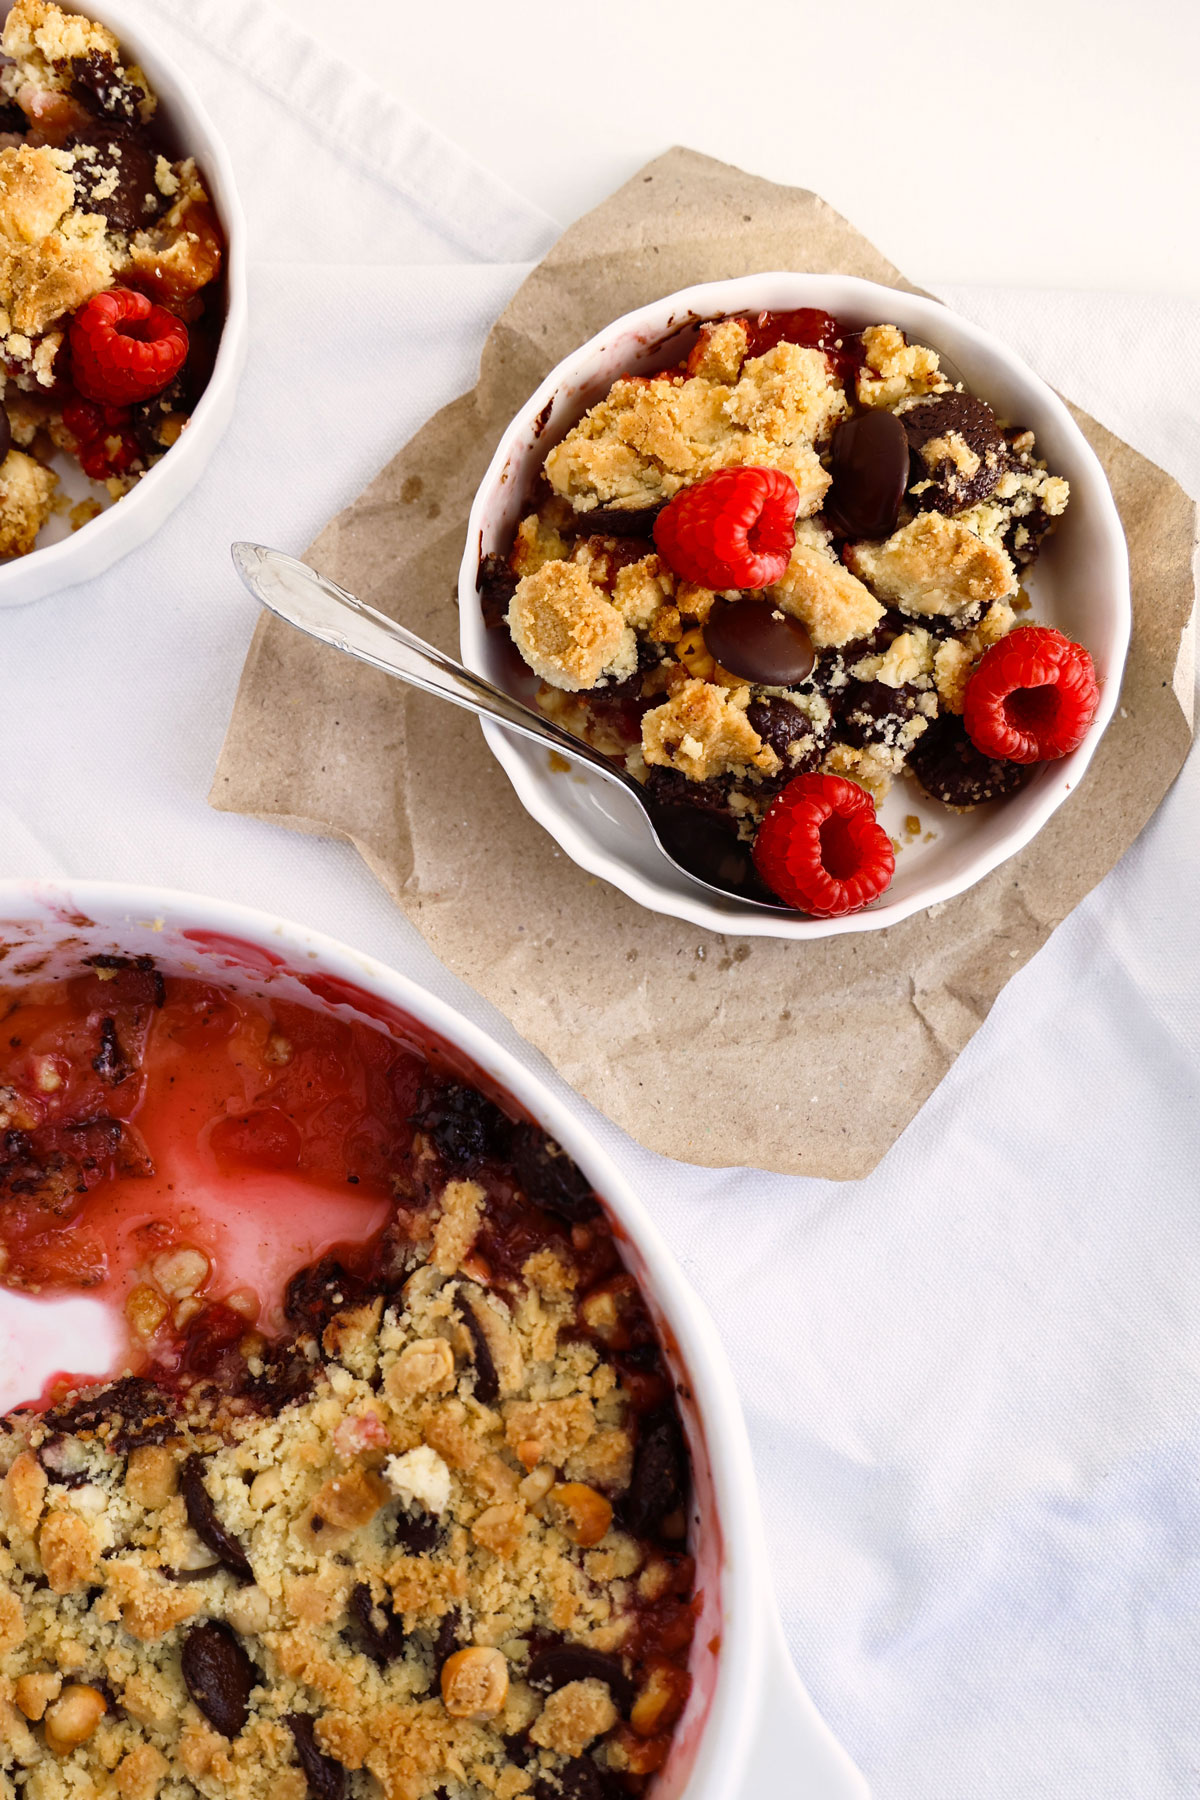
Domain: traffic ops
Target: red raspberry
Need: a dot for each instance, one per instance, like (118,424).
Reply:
(104,440)
(821,848)
(1032,696)
(733,529)
(124,348)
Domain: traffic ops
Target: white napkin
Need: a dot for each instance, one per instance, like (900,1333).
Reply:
(972,1379)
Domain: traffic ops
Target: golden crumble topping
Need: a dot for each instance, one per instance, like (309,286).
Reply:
(935,565)
(703,731)
(26,497)
(648,439)
(895,369)
(364,1576)
(820,591)
(567,630)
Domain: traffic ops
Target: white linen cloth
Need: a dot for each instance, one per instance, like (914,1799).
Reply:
(971,1379)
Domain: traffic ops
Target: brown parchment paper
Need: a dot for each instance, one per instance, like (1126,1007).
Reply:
(808,1058)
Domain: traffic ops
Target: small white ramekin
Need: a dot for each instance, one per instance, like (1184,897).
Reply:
(124,525)
(1080,584)
(749,1728)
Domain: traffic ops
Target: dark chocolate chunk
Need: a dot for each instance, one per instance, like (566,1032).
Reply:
(98,81)
(557,1664)
(950,488)
(548,1176)
(64,1460)
(219,1676)
(874,713)
(5,434)
(496,584)
(446,1642)
(621,521)
(952,770)
(780,724)
(868,466)
(114,175)
(487,1382)
(659,1483)
(465,1126)
(202,1517)
(326,1778)
(123,1416)
(580,1779)
(756,640)
(418,1533)
(668,787)
(286,1375)
(316,1293)
(377,1630)
(13,121)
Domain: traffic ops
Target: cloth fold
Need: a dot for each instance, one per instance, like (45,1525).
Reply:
(973,1379)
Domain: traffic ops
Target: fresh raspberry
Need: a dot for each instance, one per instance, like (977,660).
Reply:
(1032,697)
(821,848)
(124,348)
(733,529)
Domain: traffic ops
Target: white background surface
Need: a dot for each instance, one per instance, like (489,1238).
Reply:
(972,1379)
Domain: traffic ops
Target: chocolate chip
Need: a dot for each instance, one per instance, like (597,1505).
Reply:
(952,770)
(754,639)
(556,1665)
(418,1533)
(446,1642)
(124,1415)
(780,724)
(667,787)
(377,1630)
(114,175)
(487,1382)
(659,1483)
(218,1675)
(465,1126)
(964,416)
(622,521)
(868,466)
(98,80)
(496,584)
(202,1517)
(548,1176)
(579,1779)
(326,1778)
(874,713)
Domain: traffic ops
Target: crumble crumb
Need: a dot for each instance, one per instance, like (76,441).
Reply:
(647,439)
(567,630)
(821,592)
(27,492)
(703,731)
(934,565)
(895,369)
(952,665)
(720,351)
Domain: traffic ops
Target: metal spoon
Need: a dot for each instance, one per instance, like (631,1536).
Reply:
(690,840)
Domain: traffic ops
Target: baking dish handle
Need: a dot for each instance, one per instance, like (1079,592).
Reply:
(794,1753)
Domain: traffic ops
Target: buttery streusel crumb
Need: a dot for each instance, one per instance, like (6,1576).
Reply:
(567,630)
(934,565)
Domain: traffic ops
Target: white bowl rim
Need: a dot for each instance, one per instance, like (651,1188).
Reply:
(917,314)
(124,517)
(732,1723)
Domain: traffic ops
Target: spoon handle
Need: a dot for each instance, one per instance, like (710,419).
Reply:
(296,593)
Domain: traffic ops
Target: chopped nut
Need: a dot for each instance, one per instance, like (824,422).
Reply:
(423,1367)
(73,1718)
(151,1476)
(474,1683)
(584,1514)
(23,1492)
(180,1273)
(145,1309)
